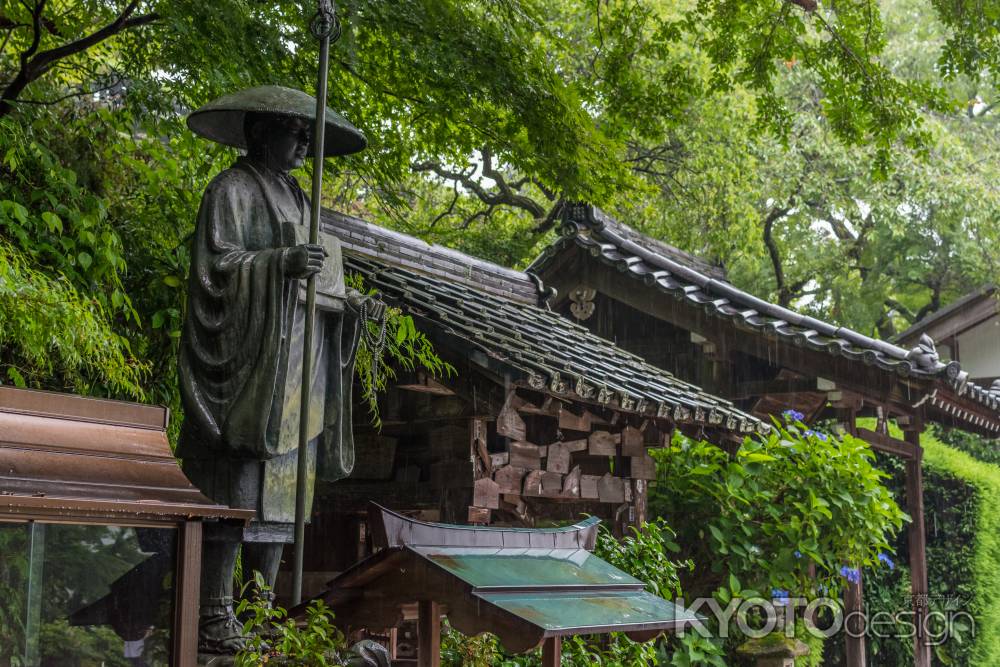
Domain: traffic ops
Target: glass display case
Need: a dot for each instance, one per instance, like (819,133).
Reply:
(100,535)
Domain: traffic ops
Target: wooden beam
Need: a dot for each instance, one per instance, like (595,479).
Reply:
(918,549)
(765,387)
(429,634)
(886,443)
(188,589)
(552,652)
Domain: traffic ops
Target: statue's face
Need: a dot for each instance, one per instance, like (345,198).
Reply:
(283,143)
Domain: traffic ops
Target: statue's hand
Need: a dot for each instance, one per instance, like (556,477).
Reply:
(303,260)
(376,307)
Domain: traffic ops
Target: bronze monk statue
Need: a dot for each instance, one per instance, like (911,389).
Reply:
(241,350)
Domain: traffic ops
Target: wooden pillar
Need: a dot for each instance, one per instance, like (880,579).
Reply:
(393,642)
(188,594)
(640,490)
(429,634)
(854,641)
(918,548)
(854,625)
(552,652)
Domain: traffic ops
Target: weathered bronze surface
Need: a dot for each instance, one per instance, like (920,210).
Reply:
(242,344)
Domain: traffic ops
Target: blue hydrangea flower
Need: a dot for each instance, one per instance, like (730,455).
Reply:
(885,560)
(817,434)
(852,574)
(779,594)
(798,554)
(793,415)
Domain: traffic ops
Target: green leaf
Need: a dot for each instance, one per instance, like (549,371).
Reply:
(52,221)
(16,377)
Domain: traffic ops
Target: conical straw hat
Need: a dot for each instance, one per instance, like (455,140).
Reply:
(221,120)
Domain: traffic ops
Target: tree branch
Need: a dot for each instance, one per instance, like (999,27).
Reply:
(34,65)
(79,93)
(775,214)
(505,197)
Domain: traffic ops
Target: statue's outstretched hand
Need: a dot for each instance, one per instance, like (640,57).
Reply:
(374,306)
(303,260)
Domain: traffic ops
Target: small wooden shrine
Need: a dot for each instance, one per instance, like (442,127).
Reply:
(100,531)
(527,586)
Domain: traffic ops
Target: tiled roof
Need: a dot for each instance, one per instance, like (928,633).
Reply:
(615,244)
(409,252)
(543,349)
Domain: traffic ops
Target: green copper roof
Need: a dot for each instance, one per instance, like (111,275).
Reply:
(502,569)
(497,580)
(592,612)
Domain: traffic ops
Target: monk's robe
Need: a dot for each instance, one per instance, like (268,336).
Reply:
(240,362)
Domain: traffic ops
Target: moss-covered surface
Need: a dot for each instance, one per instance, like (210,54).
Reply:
(775,645)
(985,478)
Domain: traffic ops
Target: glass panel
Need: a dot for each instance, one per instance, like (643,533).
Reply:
(86,595)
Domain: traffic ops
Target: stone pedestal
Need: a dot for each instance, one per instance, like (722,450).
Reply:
(775,650)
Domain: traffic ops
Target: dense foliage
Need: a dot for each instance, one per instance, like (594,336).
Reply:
(276,638)
(795,498)
(757,521)
(710,125)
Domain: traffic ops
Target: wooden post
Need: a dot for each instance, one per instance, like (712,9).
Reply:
(854,646)
(428,634)
(393,641)
(918,548)
(188,594)
(552,652)
(639,498)
(854,624)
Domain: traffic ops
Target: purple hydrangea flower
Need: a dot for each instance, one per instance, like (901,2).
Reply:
(852,574)
(885,560)
(793,415)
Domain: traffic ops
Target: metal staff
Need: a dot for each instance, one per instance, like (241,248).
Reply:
(323,25)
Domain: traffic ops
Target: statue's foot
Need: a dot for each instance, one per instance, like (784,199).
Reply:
(219,631)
